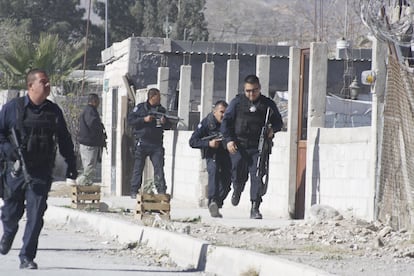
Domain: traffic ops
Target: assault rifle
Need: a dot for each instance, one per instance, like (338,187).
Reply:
(265,149)
(20,164)
(216,135)
(158,115)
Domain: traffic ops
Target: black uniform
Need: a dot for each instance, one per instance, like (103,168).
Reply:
(242,124)
(148,142)
(218,160)
(91,129)
(39,129)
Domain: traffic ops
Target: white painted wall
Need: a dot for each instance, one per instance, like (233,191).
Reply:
(190,177)
(343,176)
(341,164)
(113,75)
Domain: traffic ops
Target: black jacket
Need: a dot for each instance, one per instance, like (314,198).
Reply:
(208,126)
(242,124)
(149,132)
(91,129)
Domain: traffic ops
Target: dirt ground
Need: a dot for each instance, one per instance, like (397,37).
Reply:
(340,244)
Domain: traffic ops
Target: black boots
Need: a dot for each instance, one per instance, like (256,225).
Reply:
(27,264)
(214,210)
(5,244)
(254,212)
(235,198)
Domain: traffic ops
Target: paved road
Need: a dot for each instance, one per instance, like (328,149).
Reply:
(67,251)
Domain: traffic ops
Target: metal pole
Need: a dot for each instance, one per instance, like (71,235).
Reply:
(86,47)
(106,24)
(346,21)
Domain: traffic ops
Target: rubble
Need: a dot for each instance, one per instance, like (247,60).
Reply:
(337,243)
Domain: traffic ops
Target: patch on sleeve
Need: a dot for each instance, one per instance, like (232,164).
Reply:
(199,125)
(135,109)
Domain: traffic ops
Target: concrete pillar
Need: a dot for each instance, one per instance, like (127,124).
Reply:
(263,72)
(162,84)
(318,76)
(184,96)
(378,65)
(232,81)
(207,88)
(292,128)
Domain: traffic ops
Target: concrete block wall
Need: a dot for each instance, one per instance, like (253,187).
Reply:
(185,177)
(276,199)
(190,178)
(340,174)
(341,158)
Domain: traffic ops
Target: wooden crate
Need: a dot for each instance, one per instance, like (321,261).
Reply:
(86,197)
(148,205)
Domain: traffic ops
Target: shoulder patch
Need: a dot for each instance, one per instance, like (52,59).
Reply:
(199,125)
(135,109)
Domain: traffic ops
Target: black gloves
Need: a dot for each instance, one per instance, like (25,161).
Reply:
(11,153)
(71,171)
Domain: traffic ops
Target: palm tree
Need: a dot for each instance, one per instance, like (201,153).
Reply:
(49,53)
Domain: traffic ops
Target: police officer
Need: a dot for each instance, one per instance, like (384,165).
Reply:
(92,138)
(241,128)
(149,132)
(217,157)
(39,126)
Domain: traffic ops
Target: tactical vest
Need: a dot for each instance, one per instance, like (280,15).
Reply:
(37,131)
(249,120)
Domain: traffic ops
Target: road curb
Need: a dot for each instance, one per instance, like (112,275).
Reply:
(185,251)
(232,261)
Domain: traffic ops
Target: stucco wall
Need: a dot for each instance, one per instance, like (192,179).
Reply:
(189,177)
(340,174)
(341,168)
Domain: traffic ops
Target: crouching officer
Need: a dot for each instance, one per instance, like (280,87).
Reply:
(207,137)
(38,126)
(149,134)
(241,129)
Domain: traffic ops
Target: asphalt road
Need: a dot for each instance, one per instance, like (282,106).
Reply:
(68,251)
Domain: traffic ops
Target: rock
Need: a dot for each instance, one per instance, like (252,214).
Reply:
(378,242)
(361,222)
(409,253)
(321,213)
(384,231)
(103,207)
(354,246)
(372,227)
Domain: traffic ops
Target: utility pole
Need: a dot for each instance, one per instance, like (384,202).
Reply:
(106,24)
(167,27)
(86,47)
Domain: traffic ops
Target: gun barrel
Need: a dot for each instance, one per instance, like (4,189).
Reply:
(27,178)
(159,114)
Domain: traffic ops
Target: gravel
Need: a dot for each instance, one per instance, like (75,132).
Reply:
(337,243)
